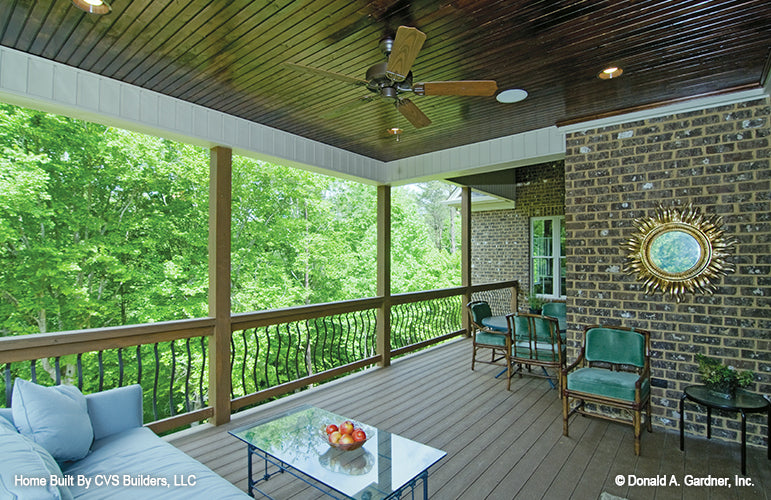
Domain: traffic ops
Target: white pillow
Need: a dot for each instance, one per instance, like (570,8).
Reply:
(25,458)
(55,417)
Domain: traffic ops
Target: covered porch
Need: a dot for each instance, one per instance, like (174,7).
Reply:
(499,444)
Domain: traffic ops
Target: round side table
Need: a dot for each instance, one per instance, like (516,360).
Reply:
(743,402)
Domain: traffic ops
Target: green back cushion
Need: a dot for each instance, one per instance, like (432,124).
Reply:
(554,309)
(480,310)
(542,330)
(615,346)
(520,327)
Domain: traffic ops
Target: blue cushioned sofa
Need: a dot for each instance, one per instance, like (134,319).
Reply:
(125,459)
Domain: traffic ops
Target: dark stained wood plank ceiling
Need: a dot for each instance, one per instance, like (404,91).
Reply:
(230,56)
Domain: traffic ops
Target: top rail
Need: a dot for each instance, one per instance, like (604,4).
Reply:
(176,375)
(48,345)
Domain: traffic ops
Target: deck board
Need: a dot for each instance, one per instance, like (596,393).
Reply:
(500,444)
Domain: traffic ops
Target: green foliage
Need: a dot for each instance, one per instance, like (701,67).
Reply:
(715,374)
(102,227)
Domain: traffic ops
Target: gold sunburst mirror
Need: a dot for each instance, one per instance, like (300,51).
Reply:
(679,250)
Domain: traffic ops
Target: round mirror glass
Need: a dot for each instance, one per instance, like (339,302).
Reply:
(675,252)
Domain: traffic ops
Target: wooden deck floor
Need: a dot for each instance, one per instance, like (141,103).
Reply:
(499,444)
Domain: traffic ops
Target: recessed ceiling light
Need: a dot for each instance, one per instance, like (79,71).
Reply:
(611,72)
(511,95)
(92,6)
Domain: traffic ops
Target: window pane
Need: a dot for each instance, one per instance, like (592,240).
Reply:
(542,238)
(543,279)
(563,280)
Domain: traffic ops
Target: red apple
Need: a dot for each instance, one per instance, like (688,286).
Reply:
(359,435)
(346,439)
(334,437)
(346,427)
(331,428)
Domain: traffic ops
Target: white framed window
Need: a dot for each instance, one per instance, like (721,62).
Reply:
(547,256)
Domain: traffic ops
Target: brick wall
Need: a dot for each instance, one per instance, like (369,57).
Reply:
(717,159)
(500,238)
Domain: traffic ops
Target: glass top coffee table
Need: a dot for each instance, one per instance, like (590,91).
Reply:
(296,442)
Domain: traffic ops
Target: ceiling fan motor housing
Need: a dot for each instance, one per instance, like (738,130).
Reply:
(379,83)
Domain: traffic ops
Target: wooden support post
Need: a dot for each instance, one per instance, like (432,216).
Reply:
(384,273)
(220,167)
(515,298)
(465,248)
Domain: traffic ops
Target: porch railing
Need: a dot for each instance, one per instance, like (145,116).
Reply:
(272,352)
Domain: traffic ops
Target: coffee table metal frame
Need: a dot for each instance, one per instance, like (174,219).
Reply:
(282,466)
(746,402)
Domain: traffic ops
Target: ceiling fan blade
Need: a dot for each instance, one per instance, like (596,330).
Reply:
(325,73)
(406,46)
(347,107)
(460,87)
(411,112)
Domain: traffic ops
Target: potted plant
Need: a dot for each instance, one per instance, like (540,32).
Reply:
(535,303)
(720,378)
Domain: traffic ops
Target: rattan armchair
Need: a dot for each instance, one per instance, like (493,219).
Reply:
(612,369)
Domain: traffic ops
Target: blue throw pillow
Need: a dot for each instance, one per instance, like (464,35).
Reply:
(26,468)
(56,418)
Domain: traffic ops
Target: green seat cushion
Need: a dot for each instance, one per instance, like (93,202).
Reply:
(542,352)
(619,385)
(490,339)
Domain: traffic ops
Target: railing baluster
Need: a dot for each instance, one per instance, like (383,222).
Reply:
(313,344)
(188,370)
(8,385)
(203,371)
(58,371)
(324,345)
(356,329)
(300,352)
(278,354)
(80,371)
(396,326)
(32,370)
(256,360)
(101,371)
(172,406)
(243,363)
(155,381)
(139,364)
(232,359)
(120,367)
(267,356)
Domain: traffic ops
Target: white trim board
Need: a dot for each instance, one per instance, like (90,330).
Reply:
(38,83)
(666,110)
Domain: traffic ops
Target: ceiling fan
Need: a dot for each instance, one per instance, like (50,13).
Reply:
(390,79)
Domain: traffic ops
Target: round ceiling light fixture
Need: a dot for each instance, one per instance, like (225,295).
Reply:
(610,72)
(92,6)
(511,96)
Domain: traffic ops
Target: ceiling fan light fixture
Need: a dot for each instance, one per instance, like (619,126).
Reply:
(511,96)
(92,6)
(610,72)
(396,131)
